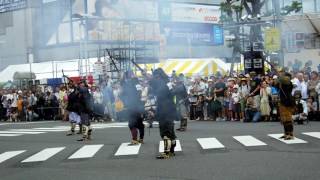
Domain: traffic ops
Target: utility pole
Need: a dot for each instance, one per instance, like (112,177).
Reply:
(277,24)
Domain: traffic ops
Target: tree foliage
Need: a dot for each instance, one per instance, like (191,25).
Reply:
(295,6)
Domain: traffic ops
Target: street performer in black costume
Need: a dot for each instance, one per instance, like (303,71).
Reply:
(287,105)
(73,109)
(165,112)
(85,109)
(134,107)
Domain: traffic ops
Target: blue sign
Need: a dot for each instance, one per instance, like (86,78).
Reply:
(192,33)
(218,35)
(10,5)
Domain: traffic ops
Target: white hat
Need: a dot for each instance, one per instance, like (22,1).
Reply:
(19,92)
(138,87)
(275,77)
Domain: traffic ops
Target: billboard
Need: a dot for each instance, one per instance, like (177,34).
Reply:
(192,33)
(124,9)
(122,20)
(11,5)
(195,13)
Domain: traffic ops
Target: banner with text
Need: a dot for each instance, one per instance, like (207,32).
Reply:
(181,12)
(11,5)
(192,34)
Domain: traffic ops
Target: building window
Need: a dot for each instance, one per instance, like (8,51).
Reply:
(308,6)
(64,32)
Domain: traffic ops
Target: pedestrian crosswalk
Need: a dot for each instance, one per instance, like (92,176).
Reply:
(42,130)
(43,155)
(8,155)
(210,143)
(313,134)
(86,151)
(126,149)
(249,141)
(293,141)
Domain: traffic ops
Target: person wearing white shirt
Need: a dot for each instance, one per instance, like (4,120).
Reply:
(14,100)
(300,85)
(98,101)
(236,102)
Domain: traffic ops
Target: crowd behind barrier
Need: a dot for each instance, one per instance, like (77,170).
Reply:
(243,97)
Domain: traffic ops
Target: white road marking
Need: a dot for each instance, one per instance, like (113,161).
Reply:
(176,149)
(20,132)
(10,154)
(86,151)
(293,141)
(10,135)
(125,149)
(43,155)
(210,143)
(313,134)
(22,123)
(37,130)
(249,141)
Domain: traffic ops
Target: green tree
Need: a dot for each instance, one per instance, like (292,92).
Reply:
(295,6)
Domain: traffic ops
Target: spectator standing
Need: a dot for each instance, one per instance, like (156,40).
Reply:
(255,88)
(299,84)
(98,102)
(244,91)
(312,84)
(265,109)
(235,103)
(220,89)
(109,100)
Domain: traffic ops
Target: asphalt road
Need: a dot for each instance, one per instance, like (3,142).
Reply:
(275,160)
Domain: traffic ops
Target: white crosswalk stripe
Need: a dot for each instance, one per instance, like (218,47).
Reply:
(10,135)
(293,141)
(37,130)
(86,151)
(176,149)
(249,141)
(10,154)
(54,128)
(313,134)
(20,132)
(210,143)
(126,149)
(43,155)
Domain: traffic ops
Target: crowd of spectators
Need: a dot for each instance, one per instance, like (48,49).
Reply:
(243,97)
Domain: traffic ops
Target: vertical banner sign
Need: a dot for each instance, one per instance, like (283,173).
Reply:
(272,40)
(11,5)
(218,35)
